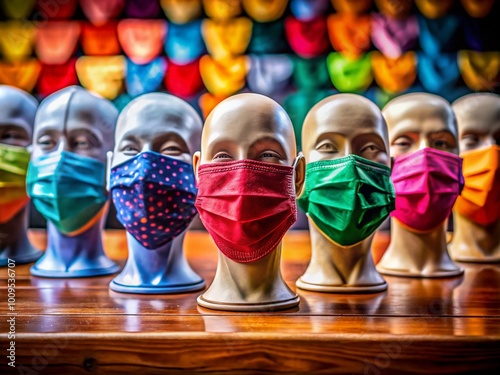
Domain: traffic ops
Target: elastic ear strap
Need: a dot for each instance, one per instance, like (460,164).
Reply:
(109,159)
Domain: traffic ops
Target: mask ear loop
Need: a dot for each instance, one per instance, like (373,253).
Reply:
(300,156)
(109,159)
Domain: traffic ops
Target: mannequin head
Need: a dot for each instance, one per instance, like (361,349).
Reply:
(394,8)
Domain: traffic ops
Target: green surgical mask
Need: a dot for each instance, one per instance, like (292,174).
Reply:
(13,166)
(350,74)
(347,198)
(67,189)
(311,74)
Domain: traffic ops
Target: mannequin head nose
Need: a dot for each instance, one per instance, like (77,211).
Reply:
(146,147)
(62,145)
(423,144)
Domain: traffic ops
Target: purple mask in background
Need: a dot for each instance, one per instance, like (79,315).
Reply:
(142,8)
(393,37)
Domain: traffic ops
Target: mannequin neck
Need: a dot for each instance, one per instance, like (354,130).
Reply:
(472,241)
(14,243)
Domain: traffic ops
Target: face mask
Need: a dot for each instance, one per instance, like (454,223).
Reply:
(269,74)
(265,10)
(350,75)
(17,9)
(141,79)
(307,38)
(477,9)
(56,77)
(438,35)
(102,74)
(184,43)
(306,10)
(349,34)
(183,80)
(427,183)
(222,9)
(247,206)
(347,198)
(440,74)
(181,11)
(142,40)
(227,39)
(208,102)
(480,199)
(154,197)
(392,36)
(434,9)
(60,10)
(100,40)
(394,75)
(13,166)
(394,9)
(223,77)
(142,9)
(99,12)
(67,189)
(22,74)
(352,7)
(268,38)
(16,40)
(480,70)
(311,74)
(56,41)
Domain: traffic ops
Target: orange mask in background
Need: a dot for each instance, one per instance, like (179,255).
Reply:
(350,6)
(265,10)
(100,40)
(480,198)
(223,78)
(349,34)
(102,74)
(434,9)
(16,39)
(477,9)
(222,9)
(228,38)
(394,75)
(181,11)
(56,41)
(480,70)
(22,75)
(142,40)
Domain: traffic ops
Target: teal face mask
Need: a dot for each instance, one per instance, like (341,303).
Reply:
(347,198)
(67,189)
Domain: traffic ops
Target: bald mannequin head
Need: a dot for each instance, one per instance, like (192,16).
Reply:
(478,120)
(345,124)
(17,115)
(420,120)
(157,122)
(75,120)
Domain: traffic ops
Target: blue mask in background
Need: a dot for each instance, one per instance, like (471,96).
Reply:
(269,74)
(184,43)
(144,78)
(306,10)
(438,35)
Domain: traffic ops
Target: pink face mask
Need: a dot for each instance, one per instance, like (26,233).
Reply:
(394,36)
(427,183)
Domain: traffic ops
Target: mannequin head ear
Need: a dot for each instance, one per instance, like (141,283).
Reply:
(299,173)
(196,164)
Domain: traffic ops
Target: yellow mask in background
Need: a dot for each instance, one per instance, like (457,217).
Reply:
(477,9)
(21,74)
(480,70)
(16,39)
(394,75)
(434,9)
(17,10)
(227,39)
(225,77)
(102,74)
(265,10)
(222,9)
(181,11)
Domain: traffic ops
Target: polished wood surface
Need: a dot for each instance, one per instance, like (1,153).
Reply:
(428,326)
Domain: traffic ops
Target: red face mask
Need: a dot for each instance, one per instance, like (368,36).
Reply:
(307,38)
(57,10)
(183,80)
(247,206)
(56,77)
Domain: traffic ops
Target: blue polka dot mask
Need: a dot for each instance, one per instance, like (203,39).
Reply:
(154,197)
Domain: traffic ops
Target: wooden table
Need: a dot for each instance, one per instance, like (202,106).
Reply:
(427,326)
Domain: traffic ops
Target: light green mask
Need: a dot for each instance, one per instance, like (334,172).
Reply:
(350,74)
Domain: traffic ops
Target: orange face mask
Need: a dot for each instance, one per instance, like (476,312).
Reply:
(102,74)
(478,9)
(349,34)
(208,102)
(22,74)
(17,9)
(223,78)
(181,11)
(480,198)
(394,75)
(100,40)
(56,41)
(16,39)
(433,8)
(351,6)
(142,40)
(265,10)
(394,9)
(226,39)
(480,70)
(222,9)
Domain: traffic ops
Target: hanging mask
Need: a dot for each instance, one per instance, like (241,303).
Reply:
(22,74)
(67,189)
(265,10)
(121,101)
(154,197)
(142,9)
(438,35)
(480,199)
(222,9)
(394,9)
(268,38)
(208,102)
(393,37)
(56,77)
(434,9)
(307,10)
(394,75)
(477,9)
(223,77)
(247,206)
(142,40)
(141,79)
(226,39)
(184,43)
(269,74)
(427,183)
(17,9)
(100,12)
(352,7)
(480,70)
(13,166)
(100,40)
(350,75)
(181,11)
(183,80)
(57,10)
(102,74)
(56,41)
(307,38)
(16,40)
(311,73)
(347,198)
(349,34)
(440,74)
